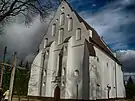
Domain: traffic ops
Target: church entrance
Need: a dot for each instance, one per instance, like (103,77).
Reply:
(57,93)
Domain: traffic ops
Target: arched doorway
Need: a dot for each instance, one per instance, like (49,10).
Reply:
(57,93)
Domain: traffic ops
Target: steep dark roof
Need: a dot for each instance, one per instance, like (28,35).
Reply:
(95,37)
(66,40)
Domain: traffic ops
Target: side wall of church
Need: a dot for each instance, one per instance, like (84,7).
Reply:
(105,72)
(50,70)
(74,71)
(120,82)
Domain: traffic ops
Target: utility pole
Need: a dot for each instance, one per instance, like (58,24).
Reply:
(12,77)
(2,68)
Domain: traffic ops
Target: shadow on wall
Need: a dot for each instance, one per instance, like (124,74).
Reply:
(96,91)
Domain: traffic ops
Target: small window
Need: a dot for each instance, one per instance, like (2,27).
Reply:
(70,24)
(90,33)
(53,29)
(63,83)
(78,34)
(97,59)
(60,36)
(43,83)
(62,9)
(47,52)
(76,73)
(45,42)
(56,20)
(68,16)
(98,85)
(63,71)
(62,19)
(45,73)
(65,48)
(107,64)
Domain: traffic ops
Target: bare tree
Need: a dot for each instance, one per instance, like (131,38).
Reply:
(27,8)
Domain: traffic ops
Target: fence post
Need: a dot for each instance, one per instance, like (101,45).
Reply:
(12,78)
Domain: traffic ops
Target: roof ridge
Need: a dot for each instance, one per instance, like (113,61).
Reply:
(96,36)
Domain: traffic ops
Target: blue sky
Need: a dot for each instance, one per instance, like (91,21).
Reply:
(113,19)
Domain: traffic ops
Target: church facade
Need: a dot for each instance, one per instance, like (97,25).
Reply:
(74,58)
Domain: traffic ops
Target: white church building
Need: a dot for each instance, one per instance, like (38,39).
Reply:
(75,58)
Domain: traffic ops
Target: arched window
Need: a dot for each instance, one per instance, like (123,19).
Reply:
(97,59)
(62,19)
(44,72)
(60,36)
(43,83)
(107,64)
(76,73)
(70,24)
(57,20)
(63,71)
(68,15)
(63,83)
(78,34)
(45,42)
(53,29)
(65,48)
(47,52)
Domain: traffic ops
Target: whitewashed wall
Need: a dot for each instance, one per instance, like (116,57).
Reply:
(106,74)
(35,78)
(120,82)
(94,73)
(74,62)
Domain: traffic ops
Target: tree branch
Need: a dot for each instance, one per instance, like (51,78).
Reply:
(16,7)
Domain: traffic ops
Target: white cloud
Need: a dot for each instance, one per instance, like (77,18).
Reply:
(24,39)
(127,58)
(108,20)
(126,54)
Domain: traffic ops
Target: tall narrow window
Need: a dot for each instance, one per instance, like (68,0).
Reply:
(62,19)
(78,34)
(63,71)
(53,29)
(70,24)
(90,33)
(60,36)
(45,42)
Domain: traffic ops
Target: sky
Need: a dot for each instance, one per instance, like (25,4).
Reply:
(112,19)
